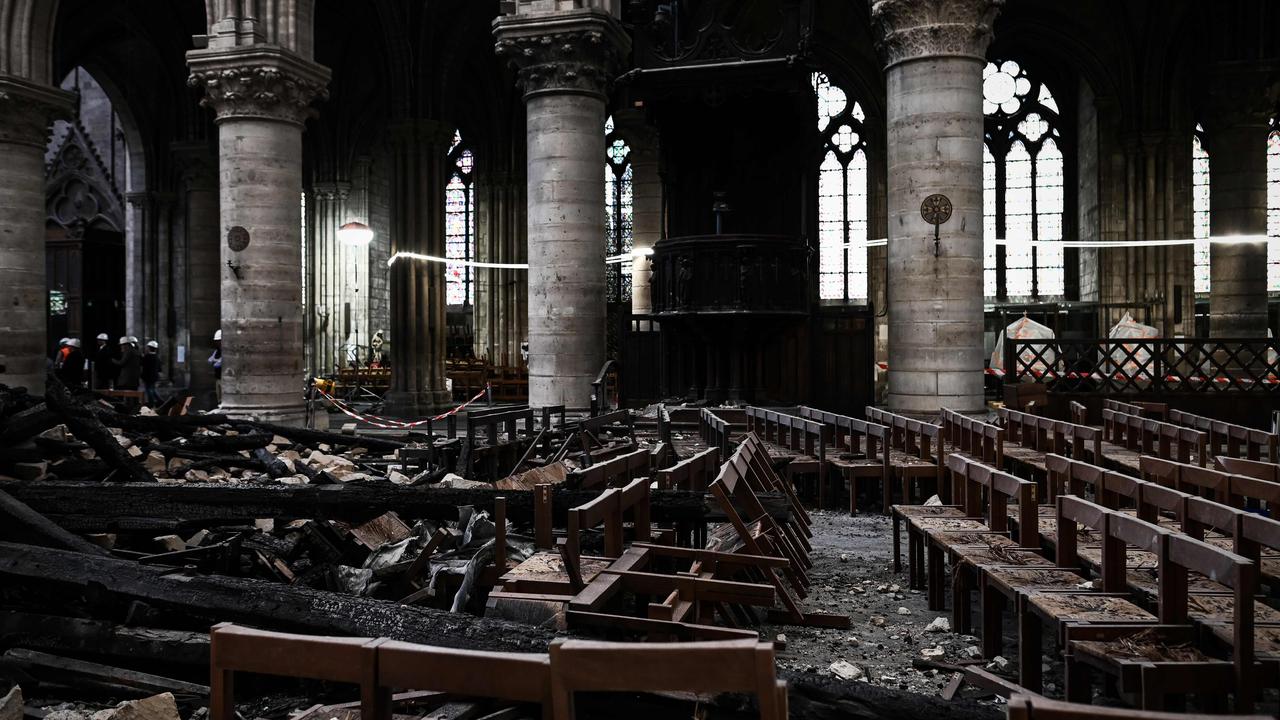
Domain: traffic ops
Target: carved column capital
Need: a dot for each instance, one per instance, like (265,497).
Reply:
(28,110)
(575,52)
(914,29)
(258,82)
(1241,96)
(420,132)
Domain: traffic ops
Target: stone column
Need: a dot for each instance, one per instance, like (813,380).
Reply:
(646,203)
(1236,129)
(566,60)
(934,53)
(203,289)
(262,96)
(26,111)
(500,293)
(419,149)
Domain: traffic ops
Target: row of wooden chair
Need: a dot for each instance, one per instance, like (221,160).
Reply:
(550,680)
(1225,439)
(1143,436)
(1029,438)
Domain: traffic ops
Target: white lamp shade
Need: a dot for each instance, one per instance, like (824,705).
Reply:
(356,233)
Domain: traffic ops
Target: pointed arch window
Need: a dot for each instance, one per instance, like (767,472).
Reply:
(842,195)
(460,224)
(1023,177)
(1273,206)
(1200,209)
(618,214)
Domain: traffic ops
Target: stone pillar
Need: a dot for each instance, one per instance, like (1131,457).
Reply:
(1236,130)
(332,273)
(203,288)
(646,203)
(500,293)
(934,53)
(418,347)
(26,111)
(262,95)
(566,60)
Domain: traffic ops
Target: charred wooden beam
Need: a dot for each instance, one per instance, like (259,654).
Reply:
(40,529)
(312,437)
(103,508)
(87,427)
(256,602)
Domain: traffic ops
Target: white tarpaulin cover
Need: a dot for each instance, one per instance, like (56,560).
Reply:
(1024,328)
(1127,361)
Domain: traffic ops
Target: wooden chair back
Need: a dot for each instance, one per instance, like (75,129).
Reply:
(1251,468)
(1230,440)
(715,431)
(800,435)
(908,435)
(614,472)
(1037,707)
(743,666)
(516,677)
(860,436)
(693,473)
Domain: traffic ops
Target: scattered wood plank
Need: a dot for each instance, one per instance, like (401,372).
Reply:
(42,664)
(87,427)
(58,634)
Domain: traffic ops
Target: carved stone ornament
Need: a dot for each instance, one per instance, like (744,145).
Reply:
(258,82)
(27,111)
(565,52)
(913,29)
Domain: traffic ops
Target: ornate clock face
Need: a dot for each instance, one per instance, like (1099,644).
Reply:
(237,238)
(936,209)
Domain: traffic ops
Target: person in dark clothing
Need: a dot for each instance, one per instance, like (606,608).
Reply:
(104,369)
(71,371)
(215,361)
(128,365)
(151,372)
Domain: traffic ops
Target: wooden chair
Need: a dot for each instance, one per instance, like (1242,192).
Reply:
(1230,440)
(1028,706)
(235,649)
(745,666)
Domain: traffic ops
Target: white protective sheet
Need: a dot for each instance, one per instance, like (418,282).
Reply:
(1024,328)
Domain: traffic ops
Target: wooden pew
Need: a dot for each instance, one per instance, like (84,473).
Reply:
(615,472)
(802,442)
(715,431)
(860,450)
(1131,436)
(1154,670)
(1228,440)
(915,452)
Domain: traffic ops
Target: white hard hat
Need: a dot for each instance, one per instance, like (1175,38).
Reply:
(217,334)
(153,344)
(133,339)
(124,339)
(73,342)
(103,336)
(62,341)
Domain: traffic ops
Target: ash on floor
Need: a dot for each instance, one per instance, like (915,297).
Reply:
(891,625)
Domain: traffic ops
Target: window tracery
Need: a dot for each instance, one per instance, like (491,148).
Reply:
(618,200)
(460,224)
(842,195)
(1023,185)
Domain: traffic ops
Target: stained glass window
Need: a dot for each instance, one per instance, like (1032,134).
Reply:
(618,214)
(1023,195)
(1200,209)
(842,195)
(1273,207)
(460,224)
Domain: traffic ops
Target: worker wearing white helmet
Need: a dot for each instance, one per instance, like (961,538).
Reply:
(104,370)
(215,359)
(128,365)
(151,372)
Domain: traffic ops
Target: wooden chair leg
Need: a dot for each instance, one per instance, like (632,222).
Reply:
(936,575)
(897,543)
(1078,688)
(960,612)
(992,621)
(1029,647)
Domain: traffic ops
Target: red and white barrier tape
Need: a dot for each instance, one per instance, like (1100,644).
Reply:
(390,424)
